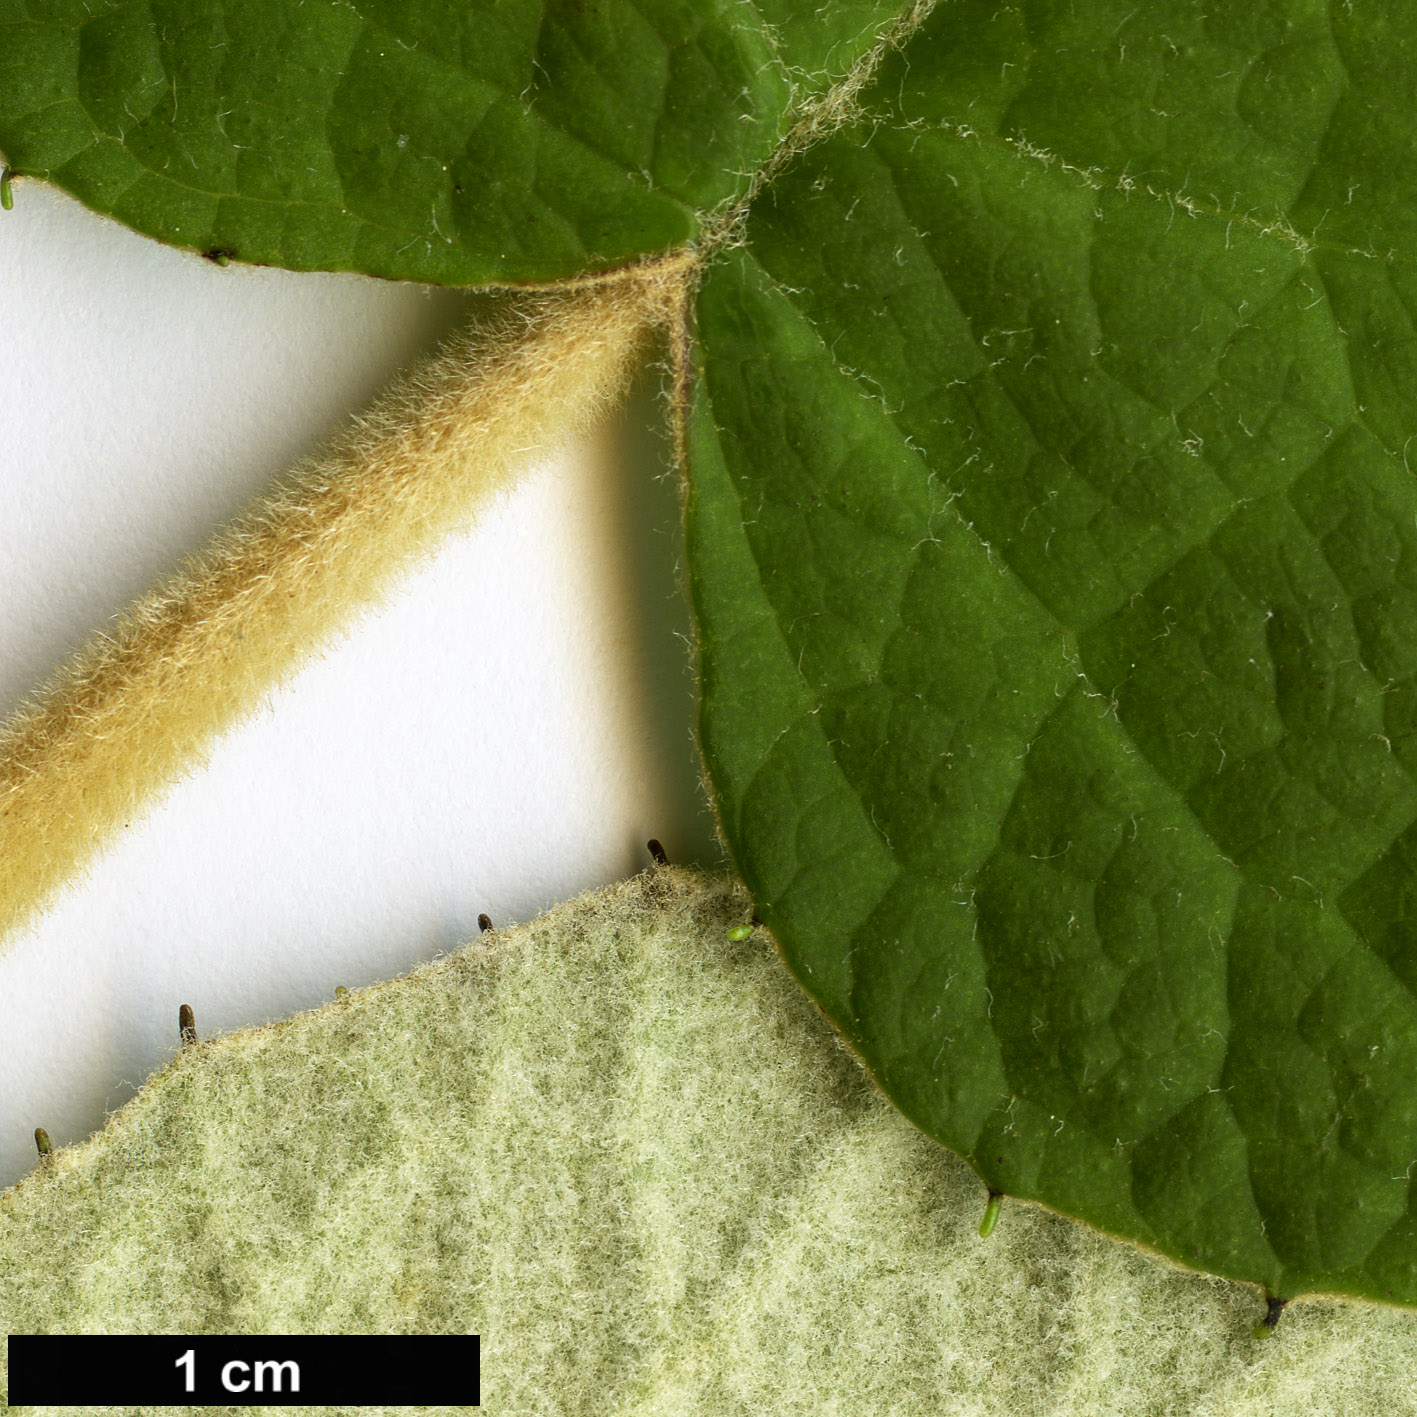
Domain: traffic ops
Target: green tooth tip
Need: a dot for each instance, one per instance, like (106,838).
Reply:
(7,193)
(991,1214)
(41,1140)
(741,932)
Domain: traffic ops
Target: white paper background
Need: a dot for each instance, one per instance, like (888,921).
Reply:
(504,734)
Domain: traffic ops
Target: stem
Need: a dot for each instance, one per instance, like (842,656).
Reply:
(141,703)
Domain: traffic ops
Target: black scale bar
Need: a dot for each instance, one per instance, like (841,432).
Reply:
(257,1370)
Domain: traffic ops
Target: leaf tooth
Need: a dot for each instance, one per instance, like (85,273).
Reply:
(991,1214)
(1273,1308)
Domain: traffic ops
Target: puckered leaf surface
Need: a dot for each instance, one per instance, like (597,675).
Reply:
(1055,554)
(432,140)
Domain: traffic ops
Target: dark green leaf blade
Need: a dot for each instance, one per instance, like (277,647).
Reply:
(1051,493)
(419,139)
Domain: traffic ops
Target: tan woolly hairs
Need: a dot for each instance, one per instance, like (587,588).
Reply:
(142,702)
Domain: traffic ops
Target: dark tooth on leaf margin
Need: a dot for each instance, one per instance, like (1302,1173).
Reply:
(484,923)
(41,1141)
(1273,1308)
(187,1025)
(661,857)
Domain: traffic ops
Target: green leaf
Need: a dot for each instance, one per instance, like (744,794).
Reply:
(633,1156)
(428,140)
(1054,548)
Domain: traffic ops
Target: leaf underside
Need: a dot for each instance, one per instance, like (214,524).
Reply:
(630,1153)
(1052,534)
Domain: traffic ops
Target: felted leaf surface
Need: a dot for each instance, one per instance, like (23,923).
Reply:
(430,140)
(633,1156)
(1055,557)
